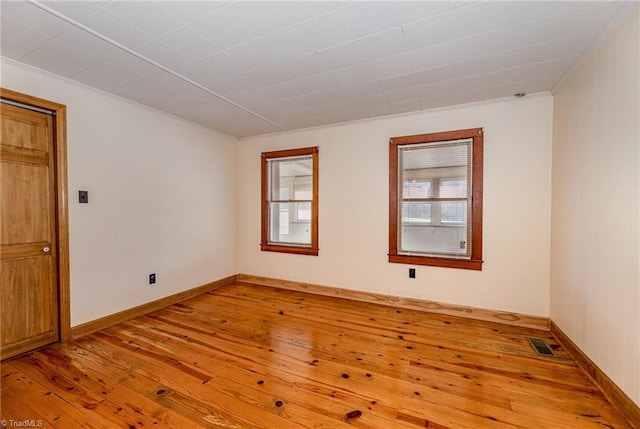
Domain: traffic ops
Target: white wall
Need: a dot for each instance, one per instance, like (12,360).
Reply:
(354,195)
(595,254)
(162,198)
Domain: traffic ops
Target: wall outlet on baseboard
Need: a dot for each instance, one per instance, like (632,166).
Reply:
(152,278)
(412,273)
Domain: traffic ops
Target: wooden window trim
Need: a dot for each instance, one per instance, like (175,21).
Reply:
(313,249)
(475,263)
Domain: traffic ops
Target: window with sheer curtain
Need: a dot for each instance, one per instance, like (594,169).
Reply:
(290,201)
(435,200)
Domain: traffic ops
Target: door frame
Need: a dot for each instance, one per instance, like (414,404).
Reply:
(61,198)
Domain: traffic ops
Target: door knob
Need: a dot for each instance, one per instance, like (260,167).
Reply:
(45,249)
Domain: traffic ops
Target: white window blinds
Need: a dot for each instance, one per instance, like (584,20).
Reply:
(434,189)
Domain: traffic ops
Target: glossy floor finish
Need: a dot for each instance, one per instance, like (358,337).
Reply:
(248,356)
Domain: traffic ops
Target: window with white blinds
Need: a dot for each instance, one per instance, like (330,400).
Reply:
(436,199)
(289,201)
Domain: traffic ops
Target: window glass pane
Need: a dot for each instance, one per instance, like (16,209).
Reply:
(416,212)
(453,188)
(302,188)
(284,192)
(415,188)
(453,212)
(288,174)
(284,228)
(304,211)
(283,219)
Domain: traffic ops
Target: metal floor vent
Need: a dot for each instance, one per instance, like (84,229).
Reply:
(540,346)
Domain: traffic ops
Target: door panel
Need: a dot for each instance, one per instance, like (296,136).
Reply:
(28,307)
(29,290)
(27,195)
(26,129)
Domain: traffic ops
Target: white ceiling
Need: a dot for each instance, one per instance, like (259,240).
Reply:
(248,68)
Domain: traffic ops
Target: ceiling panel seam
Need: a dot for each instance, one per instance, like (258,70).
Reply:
(73,22)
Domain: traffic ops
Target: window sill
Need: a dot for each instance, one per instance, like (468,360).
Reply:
(289,249)
(437,262)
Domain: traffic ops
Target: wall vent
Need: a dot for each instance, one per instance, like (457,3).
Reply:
(540,346)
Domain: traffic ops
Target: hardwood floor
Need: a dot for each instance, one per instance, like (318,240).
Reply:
(247,356)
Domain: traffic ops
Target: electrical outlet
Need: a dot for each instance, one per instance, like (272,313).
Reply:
(152,278)
(83,197)
(412,273)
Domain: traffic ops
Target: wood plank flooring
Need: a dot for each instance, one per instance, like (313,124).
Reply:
(248,356)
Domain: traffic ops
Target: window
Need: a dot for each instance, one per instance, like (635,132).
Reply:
(290,201)
(435,199)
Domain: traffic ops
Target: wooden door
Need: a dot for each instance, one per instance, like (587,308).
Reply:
(28,278)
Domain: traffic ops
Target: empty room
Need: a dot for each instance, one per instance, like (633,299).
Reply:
(320,214)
